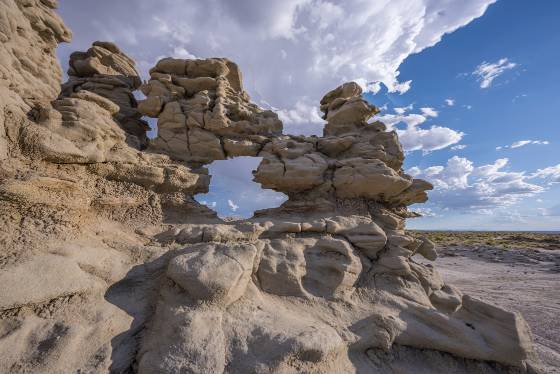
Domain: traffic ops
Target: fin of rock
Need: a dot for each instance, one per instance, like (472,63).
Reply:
(108,264)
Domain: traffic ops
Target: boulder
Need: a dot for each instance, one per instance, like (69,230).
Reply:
(214,272)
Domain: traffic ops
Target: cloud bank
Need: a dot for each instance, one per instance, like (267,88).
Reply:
(462,186)
(291,51)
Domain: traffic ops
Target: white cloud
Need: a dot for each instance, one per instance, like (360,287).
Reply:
(372,87)
(551,174)
(303,118)
(414,138)
(486,72)
(450,102)
(425,212)
(232,205)
(404,109)
(181,52)
(429,112)
(208,204)
(324,43)
(522,143)
(460,185)
(458,147)
(232,180)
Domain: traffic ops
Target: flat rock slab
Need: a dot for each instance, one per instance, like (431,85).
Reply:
(526,281)
(58,276)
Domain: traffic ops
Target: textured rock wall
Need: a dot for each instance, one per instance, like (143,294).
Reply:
(29,70)
(105,70)
(203,112)
(107,264)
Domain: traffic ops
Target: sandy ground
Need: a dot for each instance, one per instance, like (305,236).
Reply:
(521,279)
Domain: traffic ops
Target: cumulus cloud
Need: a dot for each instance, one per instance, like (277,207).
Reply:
(181,52)
(371,87)
(404,109)
(550,174)
(303,118)
(522,143)
(429,112)
(287,49)
(415,138)
(486,72)
(461,185)
(450,102)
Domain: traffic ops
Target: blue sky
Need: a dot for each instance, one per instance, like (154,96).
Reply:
(521,104)
(494,61)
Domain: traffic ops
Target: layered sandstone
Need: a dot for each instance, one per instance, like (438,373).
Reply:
(106,71)
(203,112)
(108,264)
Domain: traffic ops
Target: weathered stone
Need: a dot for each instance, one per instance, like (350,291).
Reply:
(214,272)
(367,178)
(108,263)
(211,97)
(304,267)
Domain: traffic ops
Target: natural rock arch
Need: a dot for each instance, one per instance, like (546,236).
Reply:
(233,193)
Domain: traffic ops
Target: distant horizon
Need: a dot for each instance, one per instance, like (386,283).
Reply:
(457,230)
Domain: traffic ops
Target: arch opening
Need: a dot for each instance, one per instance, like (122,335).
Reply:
(232,192)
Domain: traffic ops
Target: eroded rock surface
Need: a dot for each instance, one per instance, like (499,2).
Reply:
(108,264)
(106,71)
(203,112)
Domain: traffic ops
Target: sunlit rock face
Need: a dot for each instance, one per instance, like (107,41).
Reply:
(203,112)
(106,71)
(108,264)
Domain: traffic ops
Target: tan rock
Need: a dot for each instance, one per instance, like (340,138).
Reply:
(427,249)
(361,231)
(236,148)
(152,106)
(371,179)
(214,272)
(194,85)
(304,267)
(289,175)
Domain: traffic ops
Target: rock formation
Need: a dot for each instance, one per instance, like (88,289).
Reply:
(203,112)
(108,72)
(109,265)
